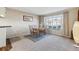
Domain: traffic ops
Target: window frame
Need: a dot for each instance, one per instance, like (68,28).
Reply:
(53,22)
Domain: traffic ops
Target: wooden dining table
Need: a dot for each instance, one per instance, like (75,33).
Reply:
(38,31)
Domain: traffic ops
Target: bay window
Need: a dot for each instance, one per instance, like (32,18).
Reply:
(54,22)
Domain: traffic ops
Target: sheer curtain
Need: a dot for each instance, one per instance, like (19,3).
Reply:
(66,23)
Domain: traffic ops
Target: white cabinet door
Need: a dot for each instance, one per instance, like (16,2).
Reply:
(2,12)
(2,37)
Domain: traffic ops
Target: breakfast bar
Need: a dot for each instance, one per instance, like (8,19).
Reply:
(3,36)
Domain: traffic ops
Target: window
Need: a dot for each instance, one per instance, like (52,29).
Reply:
(54,22)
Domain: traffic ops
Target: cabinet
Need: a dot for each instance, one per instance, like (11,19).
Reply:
(2,12)
(2,37)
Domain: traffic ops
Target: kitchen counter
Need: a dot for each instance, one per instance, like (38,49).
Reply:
(5,26)
(3,36)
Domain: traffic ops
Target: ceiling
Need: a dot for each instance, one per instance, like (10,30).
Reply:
(40,10)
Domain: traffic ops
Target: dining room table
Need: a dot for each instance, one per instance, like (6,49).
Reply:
(38,31)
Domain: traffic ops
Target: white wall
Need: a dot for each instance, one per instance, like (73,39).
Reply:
(19,27)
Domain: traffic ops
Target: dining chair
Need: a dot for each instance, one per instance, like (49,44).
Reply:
(34,31)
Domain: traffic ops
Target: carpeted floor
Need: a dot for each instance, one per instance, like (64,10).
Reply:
(35,38)
(47,43)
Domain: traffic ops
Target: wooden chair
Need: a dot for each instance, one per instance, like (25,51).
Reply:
(42,31)
(34,31)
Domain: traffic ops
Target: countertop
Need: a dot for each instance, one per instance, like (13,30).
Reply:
(5,26)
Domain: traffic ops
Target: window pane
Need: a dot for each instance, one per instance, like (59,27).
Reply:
(54,22)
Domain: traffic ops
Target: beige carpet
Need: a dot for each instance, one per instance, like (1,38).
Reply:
(48,43)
